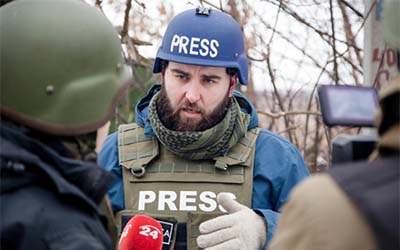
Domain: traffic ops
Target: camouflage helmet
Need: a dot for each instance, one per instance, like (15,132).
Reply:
(61,66)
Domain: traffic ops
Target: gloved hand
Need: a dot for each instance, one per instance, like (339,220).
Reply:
(241,229)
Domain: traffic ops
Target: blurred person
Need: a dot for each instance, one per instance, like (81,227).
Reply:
(356,205)
(62,72)
(102,133)
(196,138)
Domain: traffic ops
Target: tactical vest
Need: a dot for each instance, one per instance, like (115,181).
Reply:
(374,190)
(180,193)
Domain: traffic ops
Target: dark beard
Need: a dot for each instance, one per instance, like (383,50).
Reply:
(172,121)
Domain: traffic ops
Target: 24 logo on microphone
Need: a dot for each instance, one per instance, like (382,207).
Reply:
(150,230)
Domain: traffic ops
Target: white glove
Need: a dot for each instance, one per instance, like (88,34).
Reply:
(241,229)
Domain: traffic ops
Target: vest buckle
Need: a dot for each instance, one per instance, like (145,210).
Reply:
(221,165)
(138,171)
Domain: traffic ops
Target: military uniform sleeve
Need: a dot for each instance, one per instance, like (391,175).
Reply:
(320,216)
(108,160)
(278,167)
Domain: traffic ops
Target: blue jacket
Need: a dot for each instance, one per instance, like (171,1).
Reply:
(278,166)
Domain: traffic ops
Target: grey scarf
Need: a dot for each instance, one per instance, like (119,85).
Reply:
(198,145)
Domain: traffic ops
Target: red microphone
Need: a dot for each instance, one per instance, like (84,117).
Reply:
(141,233)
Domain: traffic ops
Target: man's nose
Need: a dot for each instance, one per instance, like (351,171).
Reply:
(193,91)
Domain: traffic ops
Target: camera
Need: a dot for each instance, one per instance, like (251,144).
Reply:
(349,106)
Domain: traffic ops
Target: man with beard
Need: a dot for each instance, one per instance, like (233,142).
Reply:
(61,73)
(195,158)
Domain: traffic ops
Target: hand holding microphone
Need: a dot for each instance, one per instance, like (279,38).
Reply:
(141,233)
(241,229)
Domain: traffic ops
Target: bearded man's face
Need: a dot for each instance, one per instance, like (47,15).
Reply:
(193,98)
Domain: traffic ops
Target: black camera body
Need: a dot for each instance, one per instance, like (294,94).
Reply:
(347,148)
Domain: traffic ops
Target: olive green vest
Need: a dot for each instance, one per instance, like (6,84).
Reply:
(161,185)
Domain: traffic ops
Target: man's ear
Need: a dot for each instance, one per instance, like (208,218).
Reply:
(162,76)
(232,84)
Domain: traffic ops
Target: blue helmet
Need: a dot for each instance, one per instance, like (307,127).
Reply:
(204,37)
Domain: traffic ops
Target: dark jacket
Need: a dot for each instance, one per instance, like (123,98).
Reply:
(48,201)
(373,187)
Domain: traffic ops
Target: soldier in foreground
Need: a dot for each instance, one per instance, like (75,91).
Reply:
(62,72)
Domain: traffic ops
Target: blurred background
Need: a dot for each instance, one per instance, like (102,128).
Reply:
(293,46)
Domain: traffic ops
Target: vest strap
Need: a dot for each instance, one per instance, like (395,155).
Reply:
(135,150)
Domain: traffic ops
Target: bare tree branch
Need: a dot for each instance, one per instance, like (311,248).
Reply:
(98,5)
(280,114)
(125,26)
(335,65)
(350,38)
(352,8)
(141,4)
(309,107)
(280,103)
(286,130)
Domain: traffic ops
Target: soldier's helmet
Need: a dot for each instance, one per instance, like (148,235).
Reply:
(62,68)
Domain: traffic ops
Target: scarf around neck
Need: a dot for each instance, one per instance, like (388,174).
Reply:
(200,145)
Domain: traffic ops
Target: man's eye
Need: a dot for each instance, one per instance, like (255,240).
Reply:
(210,81)
(182,77)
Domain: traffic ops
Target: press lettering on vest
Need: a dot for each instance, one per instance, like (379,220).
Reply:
(146,197)
(209,199)
(194,46)
(166,198)
(185,201)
